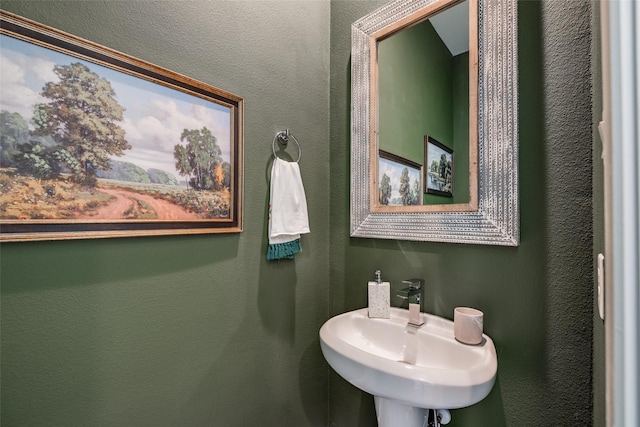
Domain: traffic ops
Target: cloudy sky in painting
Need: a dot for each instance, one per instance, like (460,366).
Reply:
(154,116)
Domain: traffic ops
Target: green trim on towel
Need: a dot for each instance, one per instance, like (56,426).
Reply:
(283,250)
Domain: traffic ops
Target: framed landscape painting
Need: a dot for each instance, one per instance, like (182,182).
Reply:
(399,179)
(438,173)
(95,143)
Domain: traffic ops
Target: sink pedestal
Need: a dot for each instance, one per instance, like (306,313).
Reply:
(391,413)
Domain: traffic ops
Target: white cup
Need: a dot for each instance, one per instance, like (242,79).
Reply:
(467,325)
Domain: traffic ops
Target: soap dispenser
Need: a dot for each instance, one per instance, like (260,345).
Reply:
(379,298)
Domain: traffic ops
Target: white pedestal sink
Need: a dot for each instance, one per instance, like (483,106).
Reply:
(408,369)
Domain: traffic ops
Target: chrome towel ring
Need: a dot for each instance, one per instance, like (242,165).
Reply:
(283,138)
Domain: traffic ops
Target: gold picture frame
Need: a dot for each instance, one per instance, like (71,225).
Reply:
(96,143)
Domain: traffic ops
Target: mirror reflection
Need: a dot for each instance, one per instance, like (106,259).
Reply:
(382,125)
(426,125)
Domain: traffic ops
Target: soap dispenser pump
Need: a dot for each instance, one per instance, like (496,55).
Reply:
(379,298)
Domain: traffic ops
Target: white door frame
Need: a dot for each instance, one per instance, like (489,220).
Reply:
(620,132)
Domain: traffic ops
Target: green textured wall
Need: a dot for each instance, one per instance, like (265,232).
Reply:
(201,330)
(537,298)
(187,330)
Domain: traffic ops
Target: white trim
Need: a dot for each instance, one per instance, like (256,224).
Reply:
(622,234)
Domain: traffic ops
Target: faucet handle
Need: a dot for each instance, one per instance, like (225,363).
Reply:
(414,284)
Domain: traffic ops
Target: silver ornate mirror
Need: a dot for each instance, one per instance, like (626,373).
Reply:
(487,212)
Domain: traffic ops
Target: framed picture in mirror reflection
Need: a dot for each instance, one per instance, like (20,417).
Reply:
(399,180)
(438,170)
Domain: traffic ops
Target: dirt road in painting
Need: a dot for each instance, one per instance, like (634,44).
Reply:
(131,205)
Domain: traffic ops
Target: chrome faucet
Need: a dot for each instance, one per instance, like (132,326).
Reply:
(413,293)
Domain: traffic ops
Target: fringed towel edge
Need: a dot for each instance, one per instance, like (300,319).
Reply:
(284,250)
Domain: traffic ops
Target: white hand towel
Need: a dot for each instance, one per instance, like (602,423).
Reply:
(288,217)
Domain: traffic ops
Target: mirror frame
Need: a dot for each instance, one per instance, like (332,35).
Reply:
(497,217)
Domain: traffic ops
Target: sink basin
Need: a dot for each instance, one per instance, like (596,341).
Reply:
(421,367)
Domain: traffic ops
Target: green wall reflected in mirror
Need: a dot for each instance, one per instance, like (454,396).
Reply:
(423,86)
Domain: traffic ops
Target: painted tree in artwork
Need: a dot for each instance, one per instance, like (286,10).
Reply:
(14,131)
(83,117)
(385,189)
(415,193)
(200,159)
(405,187)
